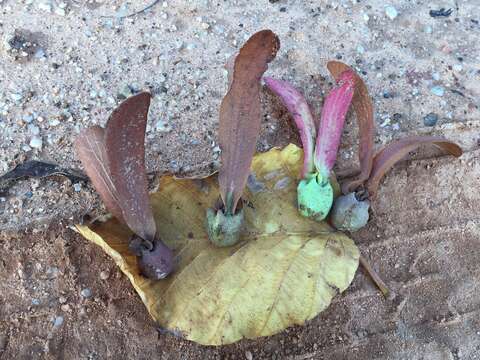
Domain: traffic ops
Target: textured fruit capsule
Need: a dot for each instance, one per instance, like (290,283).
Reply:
(348,213)
(315,197)
(224,230)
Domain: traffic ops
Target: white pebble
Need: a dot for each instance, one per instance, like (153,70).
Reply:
(54,122)
(457,67)
(60,11)
(27,118)
(438,90)
(58,321)
(104,275)
(16,97)
(33,129)
(36,142)
(86,293)
(391,12)
(45,6)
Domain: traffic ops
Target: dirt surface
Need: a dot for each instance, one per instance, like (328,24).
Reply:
(65,66)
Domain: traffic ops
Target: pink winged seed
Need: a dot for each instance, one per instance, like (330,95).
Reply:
(296,104)
(332,121)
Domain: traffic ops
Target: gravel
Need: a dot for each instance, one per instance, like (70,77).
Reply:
(86,293)
(430,119)
(66,65)
(391,12)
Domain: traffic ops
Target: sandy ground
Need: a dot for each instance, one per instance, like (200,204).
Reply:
(66,65)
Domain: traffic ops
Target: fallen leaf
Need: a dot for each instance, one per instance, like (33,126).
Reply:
(37,169)
(284,271)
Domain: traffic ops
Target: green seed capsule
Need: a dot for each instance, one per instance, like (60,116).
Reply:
(315,197)
(349,214)
(224,230)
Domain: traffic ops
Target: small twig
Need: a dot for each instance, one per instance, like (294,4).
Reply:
(376,279)
(148,7)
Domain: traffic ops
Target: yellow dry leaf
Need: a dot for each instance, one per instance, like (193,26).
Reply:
(285,270)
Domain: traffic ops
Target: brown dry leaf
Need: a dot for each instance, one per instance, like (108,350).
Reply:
(363,107)
(284,271)
(240,115)
(386,158)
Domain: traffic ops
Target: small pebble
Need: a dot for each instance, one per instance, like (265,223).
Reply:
(104,275)
(27,118)
(427,29)
(45,6)
(387,95)
(386,122)
(125,92)
(163,126)
(39,54)
(77,187)
(430,119)
(391,12)
(438,90)
(248,355)
(16,97)
(36,142)
(457,67)
(60,11)
(33,129)
(58,321)
(397,116)
(35,302)
(54,122)
(86,293)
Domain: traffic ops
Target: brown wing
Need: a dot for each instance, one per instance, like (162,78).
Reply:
(386,158)
(125,148)
(240,115)
(90,149)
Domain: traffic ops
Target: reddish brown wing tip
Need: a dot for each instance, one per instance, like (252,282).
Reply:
(133,105)
(450,147)
(269,41)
